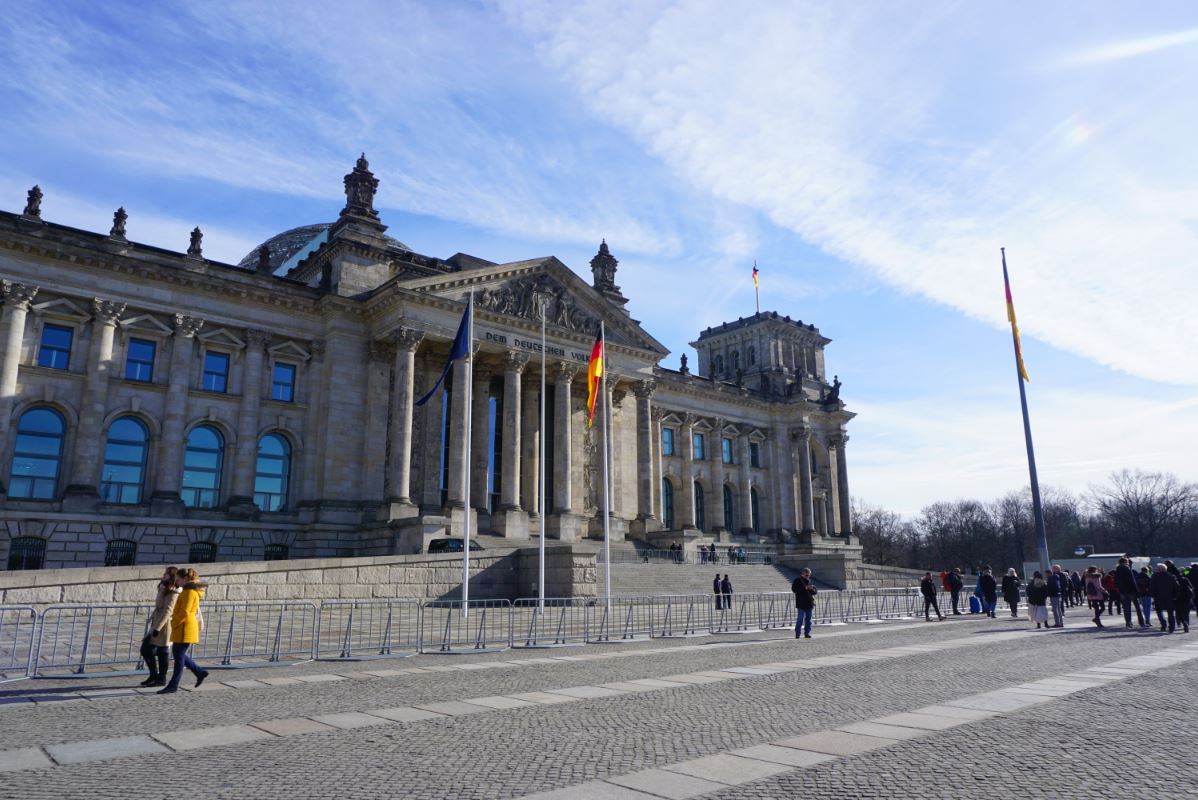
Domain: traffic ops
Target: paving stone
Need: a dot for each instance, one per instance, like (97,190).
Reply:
(837,743)
(629,686)
(998,701)
(543,697)
(729,769)
(667,784)
(452,708)
(499,701)
(281,681)
(656,683)
(319,678)
(210,737)
(955,712)
(103,749)
(348,720)
(595,790)
(405,714)
(24,758)
(789,756)
(924,721)
(246,684)
(292,726)
(876,728)
(586,692)
(691,678)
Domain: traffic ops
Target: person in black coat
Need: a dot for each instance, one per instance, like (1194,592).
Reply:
(726,588)
(989,588)
(1185,597)
(1010,591)
(1164,596)
(804,592)
(1125,582)
(955,584)
(719,592)
(927,587)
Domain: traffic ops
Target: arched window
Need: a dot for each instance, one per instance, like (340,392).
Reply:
(667,504)
(120,553)
(201,553)
(735,360)
(752,355)
(202,465)
(755,510)
(276,552)
(37,455)
(719,366)
(124,461)
(700,509)
(729,518)
(272,473)
(27,552)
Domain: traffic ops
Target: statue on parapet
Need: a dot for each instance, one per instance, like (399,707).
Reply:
(33,203)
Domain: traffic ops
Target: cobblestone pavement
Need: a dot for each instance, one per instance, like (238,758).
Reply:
(508,748)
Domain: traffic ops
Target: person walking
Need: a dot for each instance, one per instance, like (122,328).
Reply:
(927,587)
(1125,584)
(955,584)
(726,589)
(1079,587)
(1059,588)
(1164,594)
(1010,591)
(719,592)
(155,645)
(1095,594)
(186,624)
(1185,596)
(804,591)
(1144,592)
(989,589)
(1037,597)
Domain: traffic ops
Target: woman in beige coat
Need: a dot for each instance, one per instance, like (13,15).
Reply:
(155,647)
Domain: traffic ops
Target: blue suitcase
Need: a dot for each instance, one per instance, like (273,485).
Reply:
(975,605)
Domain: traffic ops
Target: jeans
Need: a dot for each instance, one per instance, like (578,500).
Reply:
(182,656)
(988,605)
(1128,602)
(1146,606)
(803,621)
(956,599)
(1166,613)
(1058,610)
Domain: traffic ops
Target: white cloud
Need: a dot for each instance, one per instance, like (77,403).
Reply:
(1131,48)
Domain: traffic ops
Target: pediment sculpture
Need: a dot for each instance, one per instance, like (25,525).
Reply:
(520,298)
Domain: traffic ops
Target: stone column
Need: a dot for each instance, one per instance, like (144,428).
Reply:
(241,500)
(845,528)
(646,518)
(83,493)
(402,399)
(802,439)
(659,466)
(688,478)
(479,441)
(782,475)
(511,520)
(564,523)
(830,521)
(312,485)
(716,525)
(746,485)
(530,441)
(17,299)
(457,434)
(377,401)
(166,500)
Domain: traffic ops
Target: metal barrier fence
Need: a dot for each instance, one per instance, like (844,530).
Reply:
(623,619)
(554,622)
(447,627)
(18,640)
(720,557)
(257,632)
(366,629)
(681,615)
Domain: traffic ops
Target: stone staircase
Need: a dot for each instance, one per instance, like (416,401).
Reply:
(631,578)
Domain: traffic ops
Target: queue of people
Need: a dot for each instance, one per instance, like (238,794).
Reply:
(175,624)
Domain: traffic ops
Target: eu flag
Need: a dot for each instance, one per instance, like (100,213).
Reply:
(460,349)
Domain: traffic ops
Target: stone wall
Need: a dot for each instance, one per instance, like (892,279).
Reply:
(494,573)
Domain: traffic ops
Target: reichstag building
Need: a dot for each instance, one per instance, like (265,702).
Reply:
(158,406)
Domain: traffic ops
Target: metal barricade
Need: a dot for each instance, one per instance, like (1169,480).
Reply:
(776,610)
(18,639)
(358,630)
(553,622)
(737,614)
(447,627)
(681,615)
(858,605)
(246,634)
(75,639)
(623,619)
(896,603)
(830,607)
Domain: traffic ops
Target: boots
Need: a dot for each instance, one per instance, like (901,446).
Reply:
(163,663)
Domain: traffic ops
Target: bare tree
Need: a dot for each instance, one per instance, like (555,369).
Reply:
(1142,508)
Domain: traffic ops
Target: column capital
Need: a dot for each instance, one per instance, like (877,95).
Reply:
(717,425)
(657,413)
(256,339)
(514,361)
(407,339)
(187,326)
(644,389)
(838,440)
(107,311)
(564,372)
(801,433)
(316,347)
(689,419)
(19,294)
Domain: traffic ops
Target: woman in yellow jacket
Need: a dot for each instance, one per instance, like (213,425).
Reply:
(185,628)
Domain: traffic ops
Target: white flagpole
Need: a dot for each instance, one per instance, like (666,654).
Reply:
(541,466)
(606,488)
(469,403)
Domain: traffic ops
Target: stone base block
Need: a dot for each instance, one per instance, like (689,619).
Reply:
(643,526)
(394,510)
(511,523)
(80,499)
(617,528)
(457,520)
(565,527)
(167,505)
(242,508)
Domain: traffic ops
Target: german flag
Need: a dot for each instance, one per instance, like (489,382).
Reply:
(594,373)
(1011,319)
(755,283)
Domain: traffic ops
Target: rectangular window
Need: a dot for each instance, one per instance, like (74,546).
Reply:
(282,385)
(139,360)
(216,372)
(697,441)
(726,447)
(754,455)
(55,350)
(667,441)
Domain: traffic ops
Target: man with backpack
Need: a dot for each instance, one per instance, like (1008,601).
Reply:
(955,584)
(804,591)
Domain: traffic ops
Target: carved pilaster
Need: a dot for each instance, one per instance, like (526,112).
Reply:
(187,326)
(514,361)
(316,347)
(256,339)
(563,372)
(380,350)
(644,389)
(407,339)
(19,295)
(107,311)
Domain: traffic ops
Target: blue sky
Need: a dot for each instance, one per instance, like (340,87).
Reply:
(871,157)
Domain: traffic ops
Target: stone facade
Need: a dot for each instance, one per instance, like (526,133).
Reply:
(192,409)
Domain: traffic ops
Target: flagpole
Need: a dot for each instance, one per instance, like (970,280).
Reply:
(756,288)
(606,488)
(1037,507)
(541,468)
(469,403)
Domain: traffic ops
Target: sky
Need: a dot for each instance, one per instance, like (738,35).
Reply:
(871,157)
